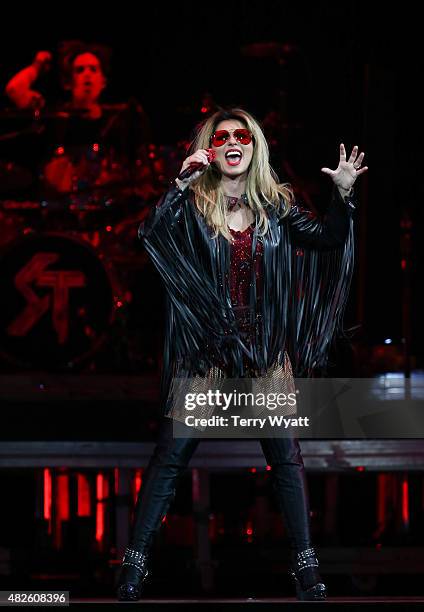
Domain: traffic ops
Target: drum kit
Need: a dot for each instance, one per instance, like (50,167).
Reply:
(70,259)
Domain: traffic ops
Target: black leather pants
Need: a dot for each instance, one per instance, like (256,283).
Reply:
(172,455)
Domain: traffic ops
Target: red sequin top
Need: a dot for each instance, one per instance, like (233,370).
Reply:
(242,262)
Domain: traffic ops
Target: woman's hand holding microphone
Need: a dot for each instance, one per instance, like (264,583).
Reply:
(194,166)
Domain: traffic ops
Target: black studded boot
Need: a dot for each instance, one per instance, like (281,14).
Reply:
(304,571)
(134,571)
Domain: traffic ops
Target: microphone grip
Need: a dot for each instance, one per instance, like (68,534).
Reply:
(185,174)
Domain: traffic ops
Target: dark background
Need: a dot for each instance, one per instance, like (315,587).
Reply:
(348,73)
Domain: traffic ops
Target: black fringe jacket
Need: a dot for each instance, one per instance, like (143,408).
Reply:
(307,268)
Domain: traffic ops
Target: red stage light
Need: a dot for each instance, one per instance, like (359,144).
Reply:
(405,501)
(138,479)
(47,478)
(102,492)
(84,497)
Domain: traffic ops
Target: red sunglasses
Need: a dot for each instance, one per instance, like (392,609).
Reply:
(242,135)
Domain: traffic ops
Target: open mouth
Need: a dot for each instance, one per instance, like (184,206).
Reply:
(233,157)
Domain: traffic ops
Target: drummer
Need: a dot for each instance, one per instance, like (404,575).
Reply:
(77,134)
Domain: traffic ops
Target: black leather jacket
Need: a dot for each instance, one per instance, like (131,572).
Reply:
(307,268)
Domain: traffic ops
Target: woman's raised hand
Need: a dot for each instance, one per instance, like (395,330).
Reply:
(347,171)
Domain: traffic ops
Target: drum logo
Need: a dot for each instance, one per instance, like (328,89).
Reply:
(58,301)
(36,272)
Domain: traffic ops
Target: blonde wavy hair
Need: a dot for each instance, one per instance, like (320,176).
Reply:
(262,185)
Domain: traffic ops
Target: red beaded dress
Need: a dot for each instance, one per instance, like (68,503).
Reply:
(242,262)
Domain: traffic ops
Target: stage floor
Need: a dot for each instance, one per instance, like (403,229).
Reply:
(282,604)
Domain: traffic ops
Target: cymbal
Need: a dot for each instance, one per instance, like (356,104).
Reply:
(66,111)
(32,114)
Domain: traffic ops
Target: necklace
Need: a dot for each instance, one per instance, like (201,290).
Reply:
(232,201)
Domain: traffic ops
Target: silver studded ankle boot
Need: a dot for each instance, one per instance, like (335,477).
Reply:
(304,571)
(134,571)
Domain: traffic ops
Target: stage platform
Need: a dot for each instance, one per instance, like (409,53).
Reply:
(282,604)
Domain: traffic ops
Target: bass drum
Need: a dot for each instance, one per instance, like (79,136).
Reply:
(59,299)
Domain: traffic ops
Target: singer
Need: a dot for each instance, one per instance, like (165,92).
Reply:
(234,249)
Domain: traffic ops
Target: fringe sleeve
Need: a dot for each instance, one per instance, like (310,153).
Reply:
(322,267)
(307,230)
(167,210)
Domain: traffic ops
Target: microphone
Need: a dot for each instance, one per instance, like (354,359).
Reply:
(185,174)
